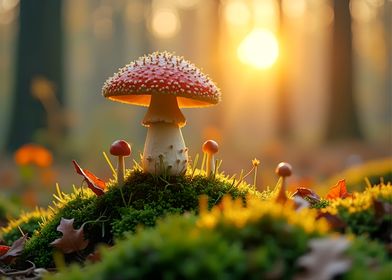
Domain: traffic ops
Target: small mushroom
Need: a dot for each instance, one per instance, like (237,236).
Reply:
(121,149)
(164,83)
(283,170)
(210,147)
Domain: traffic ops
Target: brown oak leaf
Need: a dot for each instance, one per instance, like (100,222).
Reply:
(15,250)
(72,239)
(326,259)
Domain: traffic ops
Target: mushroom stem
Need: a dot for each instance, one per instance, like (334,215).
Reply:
(210,167)
(164,149)
(164,108)
(120,170)
(282,198)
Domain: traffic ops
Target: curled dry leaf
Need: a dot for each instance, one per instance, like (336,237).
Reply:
(307,194)
(334,221)
(72,239)
(93,182)
(14,251)
(338,191)
(326,259)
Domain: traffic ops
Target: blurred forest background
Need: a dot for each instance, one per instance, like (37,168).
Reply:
(304,81)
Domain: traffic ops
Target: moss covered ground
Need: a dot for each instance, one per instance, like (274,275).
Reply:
(141,201)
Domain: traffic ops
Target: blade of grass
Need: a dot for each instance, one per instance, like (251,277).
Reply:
(110,165)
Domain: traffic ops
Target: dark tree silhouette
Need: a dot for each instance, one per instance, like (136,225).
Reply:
(38,68)
(283,117)
(343,121)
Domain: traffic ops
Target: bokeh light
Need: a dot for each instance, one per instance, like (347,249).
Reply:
(259,49)
(237,13)
(187,4)
(361,11)
(294,9)
(165,23)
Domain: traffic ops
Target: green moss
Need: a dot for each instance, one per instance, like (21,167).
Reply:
(28,223)
(262,241)
(369,260)
(366,213)
(142,200)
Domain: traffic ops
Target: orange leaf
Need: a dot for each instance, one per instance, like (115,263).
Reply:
(338,191)
(93,182)
(72,239)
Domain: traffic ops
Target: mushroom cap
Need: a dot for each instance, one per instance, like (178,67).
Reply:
(120,148)
(161,73)
(284,169)
(210,146)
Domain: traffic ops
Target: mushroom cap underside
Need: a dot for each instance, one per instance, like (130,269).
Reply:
(144,100)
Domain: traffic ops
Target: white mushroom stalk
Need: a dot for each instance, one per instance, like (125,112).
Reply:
(164,149)
(165,83)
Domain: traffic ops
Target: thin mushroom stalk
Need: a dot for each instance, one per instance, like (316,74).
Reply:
(283,170)
(210,167)
(120,170)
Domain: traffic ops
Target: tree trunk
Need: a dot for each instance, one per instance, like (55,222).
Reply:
(283,103)
(39,58)
(343,121)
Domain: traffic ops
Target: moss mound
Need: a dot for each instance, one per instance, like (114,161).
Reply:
(28,223)
(377,172)
(262,241)
(367,212)
(142,200)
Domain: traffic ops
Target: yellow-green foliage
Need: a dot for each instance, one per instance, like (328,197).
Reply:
(360,211)
(141,201)
(260,241)
(236,214)
(27,223)
(376,172)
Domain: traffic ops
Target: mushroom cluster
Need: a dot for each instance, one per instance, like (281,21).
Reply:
(164,83)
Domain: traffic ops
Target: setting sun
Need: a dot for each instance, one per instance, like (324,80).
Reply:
(259,49)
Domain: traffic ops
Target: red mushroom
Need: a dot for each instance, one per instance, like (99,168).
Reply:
(210,147)
(283,170)
(121,149)
(165,83)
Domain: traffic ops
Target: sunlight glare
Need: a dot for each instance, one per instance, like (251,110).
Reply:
(165,23)
(294,9)
(259,49)
(237,13)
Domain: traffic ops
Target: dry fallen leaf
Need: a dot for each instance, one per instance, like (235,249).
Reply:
(15,250)
(338,191)
(334,221)
(326,259)
(72,239)
(307,194)
(93,182)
